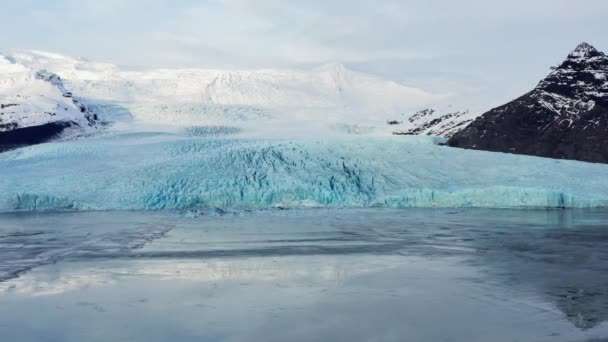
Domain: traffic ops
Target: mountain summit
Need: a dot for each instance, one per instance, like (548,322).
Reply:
(564,117)
(584,50)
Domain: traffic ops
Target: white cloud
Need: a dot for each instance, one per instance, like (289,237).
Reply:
(497,44)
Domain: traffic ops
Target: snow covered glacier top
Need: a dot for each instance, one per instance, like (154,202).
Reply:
(327,86)
(330,95)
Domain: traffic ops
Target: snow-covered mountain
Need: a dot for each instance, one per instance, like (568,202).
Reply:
(565,116)
(136,168)
(330,97)
(35,106)
(429,121)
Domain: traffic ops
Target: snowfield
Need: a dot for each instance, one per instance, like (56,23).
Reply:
(332,95)
(154,171)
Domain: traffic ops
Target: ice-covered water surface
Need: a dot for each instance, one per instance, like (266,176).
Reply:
(150,171)
(307,275)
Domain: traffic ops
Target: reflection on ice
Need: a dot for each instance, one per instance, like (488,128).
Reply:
(31,240)
(324,275)
(585,307)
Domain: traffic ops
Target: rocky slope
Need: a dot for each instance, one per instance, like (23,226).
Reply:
(432,122)
(35,107)
(564,117)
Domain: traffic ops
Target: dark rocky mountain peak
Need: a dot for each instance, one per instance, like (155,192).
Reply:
(581,82)
(564,117)
(584,50)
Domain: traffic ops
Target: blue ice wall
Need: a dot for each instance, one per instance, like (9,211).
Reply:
(160,171)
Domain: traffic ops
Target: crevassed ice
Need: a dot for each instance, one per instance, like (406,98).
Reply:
(153,172)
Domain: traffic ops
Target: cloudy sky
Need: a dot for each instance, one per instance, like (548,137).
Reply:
(483,52)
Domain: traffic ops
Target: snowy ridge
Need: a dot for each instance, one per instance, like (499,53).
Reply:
(32,97)
(577,84)
(332,94)
(152,172)
(432,122)
(200,95)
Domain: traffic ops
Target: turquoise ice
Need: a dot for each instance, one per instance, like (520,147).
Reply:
(155,171)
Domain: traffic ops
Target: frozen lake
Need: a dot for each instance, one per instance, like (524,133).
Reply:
(305,275)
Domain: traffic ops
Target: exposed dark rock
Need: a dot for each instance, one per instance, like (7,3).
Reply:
(564,117)
(430,122)
(2,106)
(31,135)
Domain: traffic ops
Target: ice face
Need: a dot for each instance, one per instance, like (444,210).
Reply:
(149,171)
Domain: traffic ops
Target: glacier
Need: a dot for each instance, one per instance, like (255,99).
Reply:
(331,95)
(161,171)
